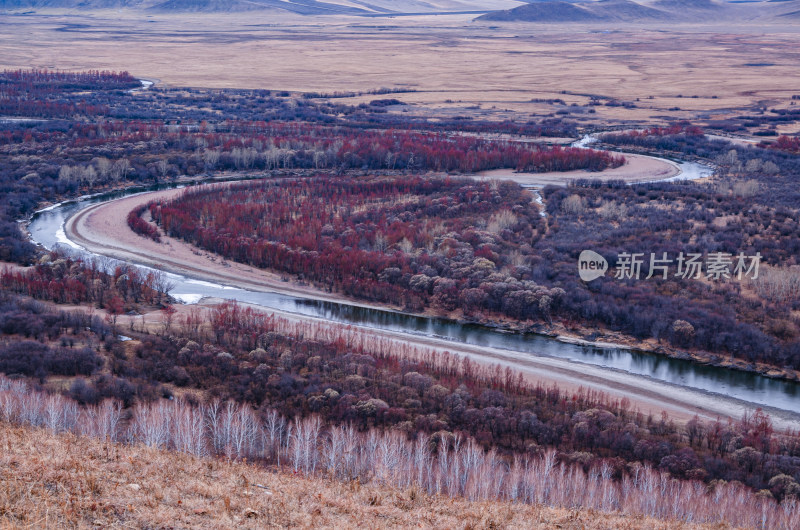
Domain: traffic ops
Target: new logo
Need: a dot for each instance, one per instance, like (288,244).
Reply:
(591,265)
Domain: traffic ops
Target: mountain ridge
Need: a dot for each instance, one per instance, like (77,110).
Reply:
(561,11)
(632,11)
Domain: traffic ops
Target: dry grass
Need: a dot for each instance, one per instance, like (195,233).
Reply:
(452,61)
(49,481)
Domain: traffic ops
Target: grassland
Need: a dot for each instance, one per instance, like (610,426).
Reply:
(455,65)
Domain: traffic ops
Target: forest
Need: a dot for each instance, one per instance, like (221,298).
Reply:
(158,135)
(423,241)
(476,249)
(84,132)
(66,279)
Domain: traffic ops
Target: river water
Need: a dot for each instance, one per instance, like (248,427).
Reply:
(689,170)
(47,228)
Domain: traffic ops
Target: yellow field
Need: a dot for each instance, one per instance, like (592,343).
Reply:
(452,61)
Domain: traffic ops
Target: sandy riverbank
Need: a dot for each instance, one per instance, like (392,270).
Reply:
(637,168)
(103,229)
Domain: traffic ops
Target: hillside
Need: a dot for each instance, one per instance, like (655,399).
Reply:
(544,12)
(630,11)
(205,5)
(689,5)
(558,11)
(304,7)
(627,10)
(787,10)
(64,480)
(73,4)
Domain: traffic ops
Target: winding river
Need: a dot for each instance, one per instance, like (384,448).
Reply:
(617,367)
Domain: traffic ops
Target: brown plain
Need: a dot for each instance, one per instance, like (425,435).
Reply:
(707,71)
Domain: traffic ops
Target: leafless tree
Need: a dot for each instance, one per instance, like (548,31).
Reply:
(103,166)
(163,168)
(65,174)
(213,418)
(274,433)
(120,169)
(305,444)
(244,432)
(210,159)
(574,204)
(189,429)
(162,283)
(151,424)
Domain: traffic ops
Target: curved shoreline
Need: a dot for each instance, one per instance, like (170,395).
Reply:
(637,169)
(102,229)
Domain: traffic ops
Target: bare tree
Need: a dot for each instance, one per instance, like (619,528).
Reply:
(162,283)
(304,444)
(213,416)
(120,169)
(103,167)
(574,204)
(210,159)
(460,468)
(189,429)
(151,424)
(163,168)
(244,432)
(65,175)
(274,433)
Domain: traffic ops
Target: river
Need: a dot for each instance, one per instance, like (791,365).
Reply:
(688,170)
(747,390)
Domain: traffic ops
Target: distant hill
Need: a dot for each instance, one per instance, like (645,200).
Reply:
(543,12)
(302,7)
(679,6)
(626,10)
(71,4)
(632,11)
(206,5)
(787,9)
(560,11)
